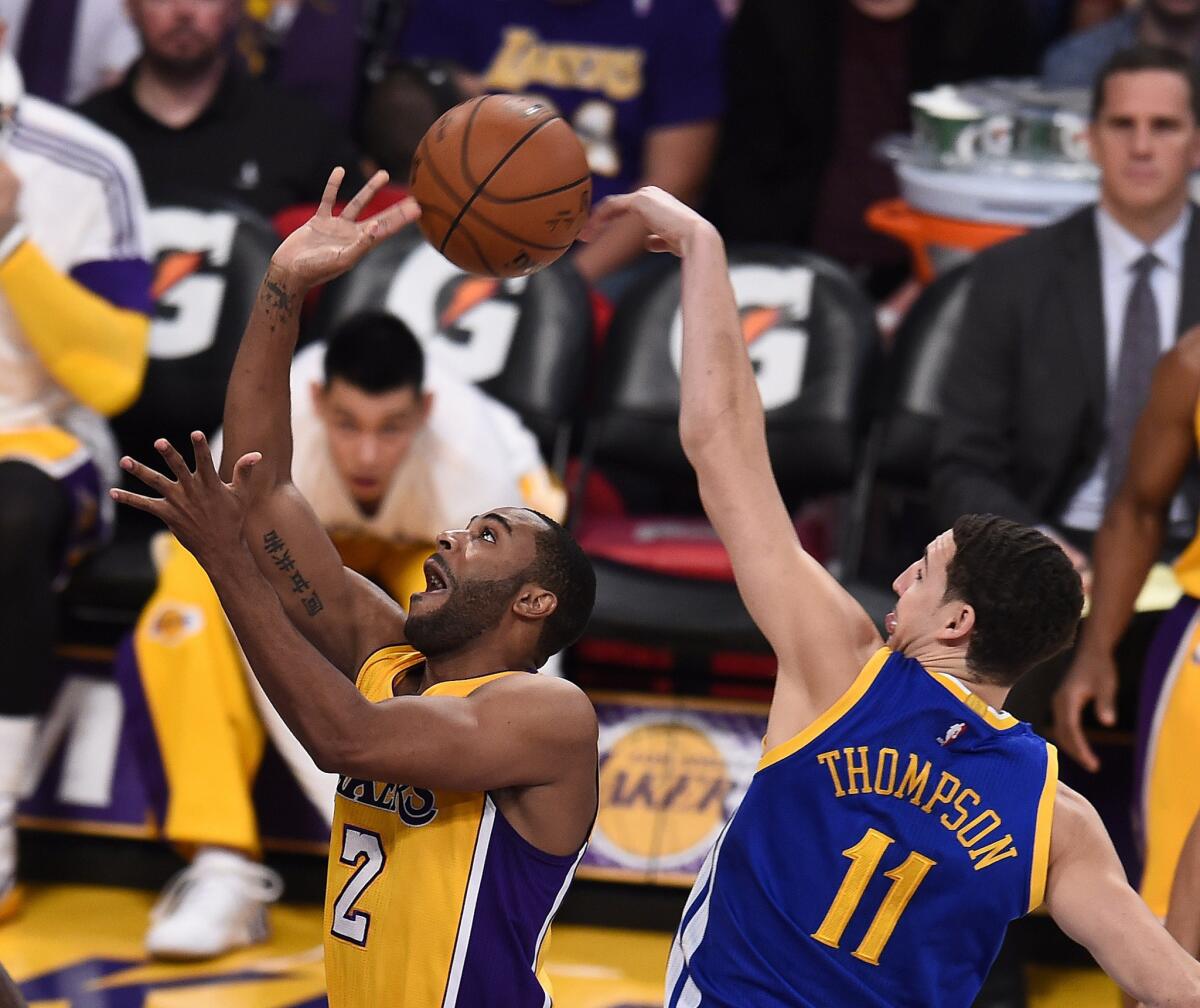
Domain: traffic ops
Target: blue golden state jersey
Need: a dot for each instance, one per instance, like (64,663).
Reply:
(877,857)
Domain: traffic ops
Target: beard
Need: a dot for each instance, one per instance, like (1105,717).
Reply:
(182,70)
(472,609)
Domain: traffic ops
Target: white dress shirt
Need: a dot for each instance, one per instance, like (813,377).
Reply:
(1119,250)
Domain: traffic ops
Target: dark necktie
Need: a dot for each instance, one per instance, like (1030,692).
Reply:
(1135,367)
(47,42)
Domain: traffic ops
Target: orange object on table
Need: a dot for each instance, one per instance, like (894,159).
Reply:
(923,232)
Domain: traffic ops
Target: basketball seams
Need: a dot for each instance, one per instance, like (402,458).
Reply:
(518,239)
(490,175)
(537,195)
(465,165)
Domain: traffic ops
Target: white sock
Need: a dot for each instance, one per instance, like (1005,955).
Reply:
(17,735)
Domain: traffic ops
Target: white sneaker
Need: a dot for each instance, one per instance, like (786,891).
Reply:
(216,905)
(17,735)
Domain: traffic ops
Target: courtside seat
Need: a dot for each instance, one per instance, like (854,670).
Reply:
(665,580)
(893,491)
(209,261)
(525,341)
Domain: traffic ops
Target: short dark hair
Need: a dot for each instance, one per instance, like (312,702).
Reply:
(1026,595)
(376,352)
(1147,57)
(561,566)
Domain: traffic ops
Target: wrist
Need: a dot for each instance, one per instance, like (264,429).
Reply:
(229,562)
(282,276)
(701,234)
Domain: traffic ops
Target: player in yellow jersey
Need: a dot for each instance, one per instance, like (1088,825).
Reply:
(468,785)
(1128,543)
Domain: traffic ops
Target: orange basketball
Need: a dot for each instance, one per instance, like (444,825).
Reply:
(503,185)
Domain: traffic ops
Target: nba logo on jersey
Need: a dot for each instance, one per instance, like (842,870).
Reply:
(952,733)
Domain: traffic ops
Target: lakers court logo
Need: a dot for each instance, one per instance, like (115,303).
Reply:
(669,779)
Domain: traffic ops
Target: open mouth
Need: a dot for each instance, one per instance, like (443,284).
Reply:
(436,577)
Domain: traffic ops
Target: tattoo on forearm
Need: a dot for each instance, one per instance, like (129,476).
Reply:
(274,296)
(282,558)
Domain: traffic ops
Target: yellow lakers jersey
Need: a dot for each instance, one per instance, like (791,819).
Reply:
(432,898)
(1187,566)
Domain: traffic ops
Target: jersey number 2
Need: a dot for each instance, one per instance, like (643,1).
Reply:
(864,861)
(363,849)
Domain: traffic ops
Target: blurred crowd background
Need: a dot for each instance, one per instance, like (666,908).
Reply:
(961,234)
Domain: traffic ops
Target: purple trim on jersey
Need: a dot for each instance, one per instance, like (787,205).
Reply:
(1159,659)
(123,282)
(139,727)
(94,163)
(519,892)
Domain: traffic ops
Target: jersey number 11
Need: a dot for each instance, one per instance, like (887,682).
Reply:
(865,857)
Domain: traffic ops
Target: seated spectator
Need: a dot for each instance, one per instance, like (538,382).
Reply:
(1064,324)
(328,53)
(72,48)
(74,304)
(640,82)
(813,86)
(200,127)
(1076,60)
(399,109)
(389,452)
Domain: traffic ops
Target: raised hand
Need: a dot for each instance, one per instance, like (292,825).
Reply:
(327,246)
(669,222)
(205,513)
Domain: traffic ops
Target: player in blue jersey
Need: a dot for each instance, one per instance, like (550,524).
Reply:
(899,818)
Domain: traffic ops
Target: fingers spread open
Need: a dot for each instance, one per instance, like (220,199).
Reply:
(173,459)
(364,195)
(204,460)
(151,505)
(151,477)
(329,196)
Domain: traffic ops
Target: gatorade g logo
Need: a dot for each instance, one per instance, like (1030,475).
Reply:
(192,249)
(467,322)
(774,302)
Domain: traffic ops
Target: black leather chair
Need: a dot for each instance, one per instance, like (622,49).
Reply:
(526,341)
(664,580)
(890,502)
(209,262)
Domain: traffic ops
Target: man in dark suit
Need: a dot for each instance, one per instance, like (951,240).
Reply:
(1063,325)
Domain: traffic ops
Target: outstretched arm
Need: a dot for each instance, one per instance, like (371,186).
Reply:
(819,634)
(536,730)
(1090,899)
(1128,542)
(331,607)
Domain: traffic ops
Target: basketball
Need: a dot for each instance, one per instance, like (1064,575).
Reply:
(503,184)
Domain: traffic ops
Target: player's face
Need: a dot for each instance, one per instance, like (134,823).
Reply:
(922,592)
(370,434)
(472,580)
(1146,141)
(183,35)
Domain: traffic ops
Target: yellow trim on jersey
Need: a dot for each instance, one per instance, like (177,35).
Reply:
(46,444)
(465,687)
(1000,720)
(385,664)
(840,707)
(1041,831)
(91,347)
